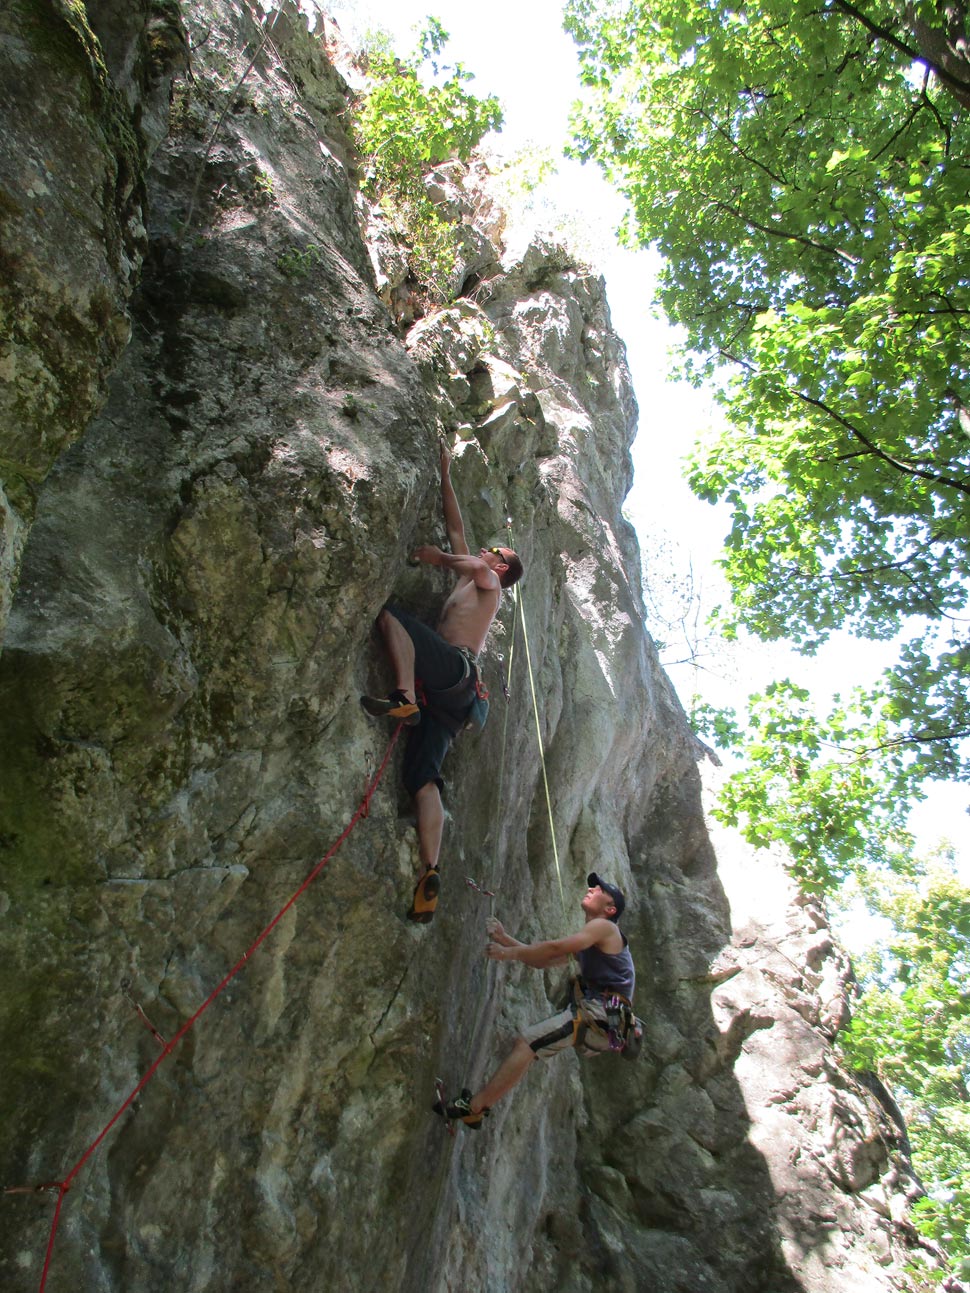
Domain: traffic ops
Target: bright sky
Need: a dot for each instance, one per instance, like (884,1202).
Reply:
(519,52)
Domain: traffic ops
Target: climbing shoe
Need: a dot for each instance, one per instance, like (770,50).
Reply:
(425,898)
(460,1110)
(396,706)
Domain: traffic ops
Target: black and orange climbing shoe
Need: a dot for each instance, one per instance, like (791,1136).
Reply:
(425,898)
(460,1110)
(396,706)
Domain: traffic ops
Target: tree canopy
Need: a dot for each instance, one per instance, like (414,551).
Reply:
(804,169)
(911,1026)
(799,785)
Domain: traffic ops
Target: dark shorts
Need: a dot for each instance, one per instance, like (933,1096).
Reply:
(558,1033)
(437,665)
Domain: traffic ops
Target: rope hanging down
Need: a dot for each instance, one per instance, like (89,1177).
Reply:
(518,616)
(520,604)
(506,686)
(488,976)
(63,1186)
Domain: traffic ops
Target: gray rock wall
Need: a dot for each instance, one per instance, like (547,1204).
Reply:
(72,231)
(221,507)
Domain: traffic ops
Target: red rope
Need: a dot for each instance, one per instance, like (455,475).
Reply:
(62,1187)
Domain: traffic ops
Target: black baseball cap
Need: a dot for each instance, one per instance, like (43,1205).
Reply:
(619,902)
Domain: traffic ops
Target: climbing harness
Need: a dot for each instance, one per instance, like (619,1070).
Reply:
(623,1030)
(441,702)
(167,1048)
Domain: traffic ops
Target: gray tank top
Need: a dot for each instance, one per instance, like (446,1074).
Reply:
(607,972)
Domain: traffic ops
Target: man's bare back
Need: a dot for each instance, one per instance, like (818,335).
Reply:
(467,615)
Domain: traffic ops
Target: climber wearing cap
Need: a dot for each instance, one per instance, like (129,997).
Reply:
(606,975)
(446,663)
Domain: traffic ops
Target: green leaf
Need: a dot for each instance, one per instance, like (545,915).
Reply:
(814,256)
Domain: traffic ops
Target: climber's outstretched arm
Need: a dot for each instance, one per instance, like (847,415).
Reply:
(496,932)
(449,505)
(553,951)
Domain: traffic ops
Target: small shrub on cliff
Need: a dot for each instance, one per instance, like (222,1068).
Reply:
(404,128)
(297,262)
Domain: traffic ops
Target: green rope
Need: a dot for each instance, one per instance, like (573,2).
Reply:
(520,606)
(507,691)
(518,614)
(505,729)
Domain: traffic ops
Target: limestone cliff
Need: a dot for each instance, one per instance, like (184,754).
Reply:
(219,447)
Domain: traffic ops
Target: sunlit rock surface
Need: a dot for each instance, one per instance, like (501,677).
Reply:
(219,506)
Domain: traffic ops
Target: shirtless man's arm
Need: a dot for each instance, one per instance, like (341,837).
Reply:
(463,565)
(449,506)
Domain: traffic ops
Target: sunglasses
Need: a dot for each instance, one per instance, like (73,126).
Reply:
(498,553)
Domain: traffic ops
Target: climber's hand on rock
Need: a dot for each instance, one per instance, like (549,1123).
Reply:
(496,931)
(498,952)
(428,555)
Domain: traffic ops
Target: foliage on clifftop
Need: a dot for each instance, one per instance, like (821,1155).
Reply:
(407,123)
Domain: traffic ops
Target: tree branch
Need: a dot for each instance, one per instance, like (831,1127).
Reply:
(897,464)
(726,134)
(920,738)
(917,55)
(918,107)
(785,234)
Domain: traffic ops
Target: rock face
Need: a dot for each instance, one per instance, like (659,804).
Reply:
(72,231)
(222,504)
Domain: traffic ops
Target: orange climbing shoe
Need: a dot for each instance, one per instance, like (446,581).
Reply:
(425,898)
(395,706)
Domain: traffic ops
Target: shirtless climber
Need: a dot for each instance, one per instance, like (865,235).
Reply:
(446,663)
(606,973)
